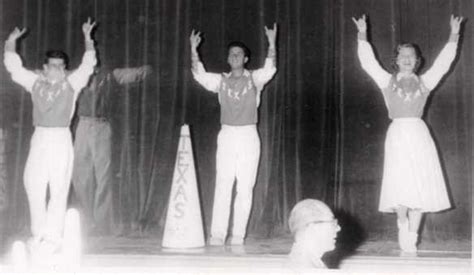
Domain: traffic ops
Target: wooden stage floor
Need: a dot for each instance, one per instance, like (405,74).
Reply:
(107,255)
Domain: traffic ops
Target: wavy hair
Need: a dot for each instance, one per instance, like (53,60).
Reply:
(416,49)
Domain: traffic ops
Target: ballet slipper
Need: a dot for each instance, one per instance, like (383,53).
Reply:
(412,238)
(402,234)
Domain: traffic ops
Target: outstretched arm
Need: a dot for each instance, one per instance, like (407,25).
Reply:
(13,62)
(263,75)
(367,57)
(131,75)
(445,58)
(80,77)
(210,81)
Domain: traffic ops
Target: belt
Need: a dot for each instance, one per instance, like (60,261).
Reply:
(96,119)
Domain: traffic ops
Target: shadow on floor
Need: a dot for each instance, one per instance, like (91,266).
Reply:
(351,236)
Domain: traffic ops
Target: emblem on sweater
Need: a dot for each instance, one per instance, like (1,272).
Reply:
(49,91)
(407,88)
(235,90)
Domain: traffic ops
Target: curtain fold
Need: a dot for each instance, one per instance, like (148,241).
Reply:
(322,120)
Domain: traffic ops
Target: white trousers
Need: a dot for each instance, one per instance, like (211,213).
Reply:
(49,163)
(237,157)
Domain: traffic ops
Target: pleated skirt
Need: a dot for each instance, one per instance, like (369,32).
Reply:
(412,174)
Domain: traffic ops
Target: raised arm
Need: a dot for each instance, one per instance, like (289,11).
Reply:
(13,62)
(367,57)
(80,77)
(263,75)
(210,81)
(445,58)
(131,75)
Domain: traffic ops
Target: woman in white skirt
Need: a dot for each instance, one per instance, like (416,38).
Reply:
(413,181)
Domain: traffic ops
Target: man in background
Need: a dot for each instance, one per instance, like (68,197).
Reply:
(92,173)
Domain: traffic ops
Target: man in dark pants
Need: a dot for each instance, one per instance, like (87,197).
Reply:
(92,173)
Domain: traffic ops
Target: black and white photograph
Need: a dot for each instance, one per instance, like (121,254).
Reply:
(236,136)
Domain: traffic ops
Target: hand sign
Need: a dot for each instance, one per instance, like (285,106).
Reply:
(361,23)
(195,39)
(271,33)
(455,23)
(16,33)
(87,27)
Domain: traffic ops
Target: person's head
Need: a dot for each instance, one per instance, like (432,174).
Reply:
(407,58)
(313,227)
(237,55)
(55,65)
(101,54)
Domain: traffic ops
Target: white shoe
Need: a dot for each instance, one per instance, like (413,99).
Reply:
(45,253)
(402,234)
(236,240)
(411,240)
(33,244)
(216,241)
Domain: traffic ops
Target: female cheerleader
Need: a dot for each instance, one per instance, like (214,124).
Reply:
(413,181)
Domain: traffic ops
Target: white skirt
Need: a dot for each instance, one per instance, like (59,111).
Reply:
(412,174)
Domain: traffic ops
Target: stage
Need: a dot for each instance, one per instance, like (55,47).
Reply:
(142,254)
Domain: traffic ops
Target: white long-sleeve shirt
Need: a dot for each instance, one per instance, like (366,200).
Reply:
(53,105)
(409,103)
(212,81)
(238,104)
(26,78)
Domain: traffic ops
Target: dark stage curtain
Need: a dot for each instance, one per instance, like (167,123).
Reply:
(322,120)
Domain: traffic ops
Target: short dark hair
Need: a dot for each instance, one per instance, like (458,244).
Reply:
(56,54)
(416,49)
(239,45)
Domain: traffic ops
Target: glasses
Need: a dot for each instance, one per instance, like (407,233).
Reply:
(333,222)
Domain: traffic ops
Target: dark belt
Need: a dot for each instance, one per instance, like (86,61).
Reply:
(95,119)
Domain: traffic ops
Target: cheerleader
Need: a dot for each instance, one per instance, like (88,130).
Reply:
(413,181)
(54,92)
(238,143)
